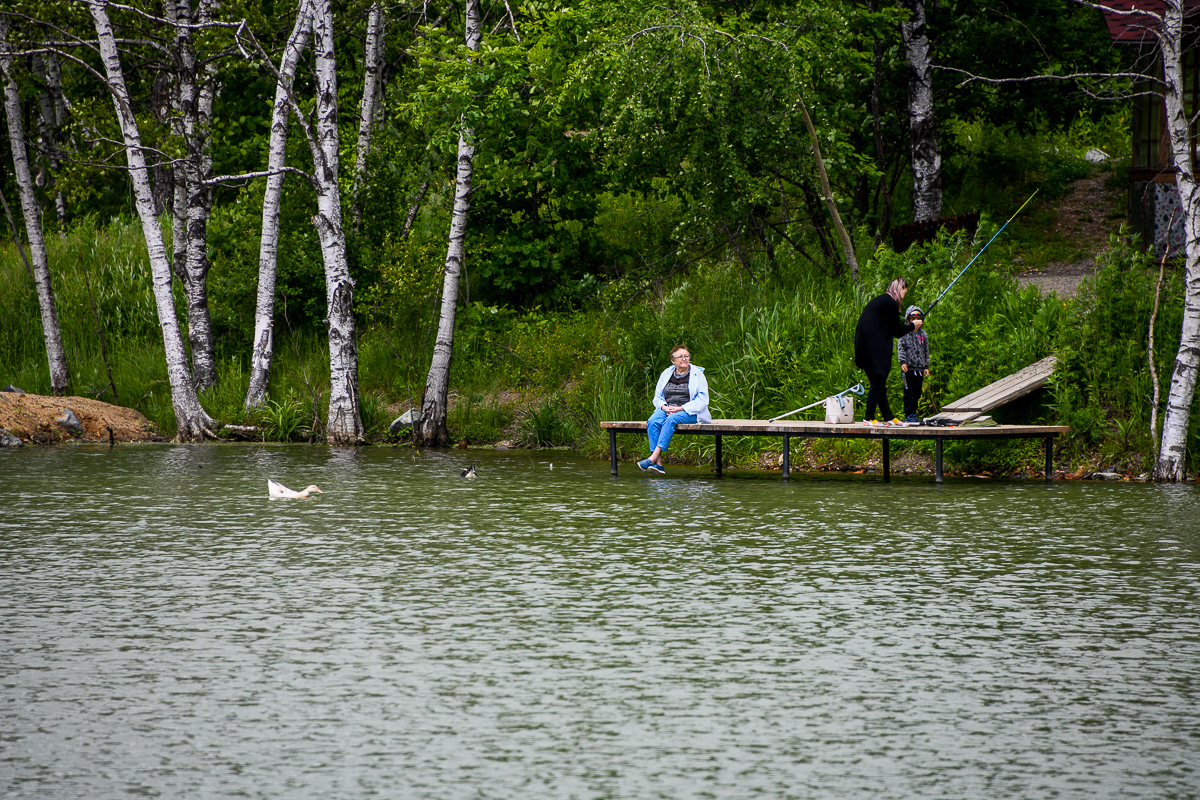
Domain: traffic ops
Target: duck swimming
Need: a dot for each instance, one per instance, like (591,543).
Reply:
(468,473)
(279,490)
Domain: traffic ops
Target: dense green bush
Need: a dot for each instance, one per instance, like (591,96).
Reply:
(768,345)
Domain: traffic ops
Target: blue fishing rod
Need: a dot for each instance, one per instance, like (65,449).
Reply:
(977,255)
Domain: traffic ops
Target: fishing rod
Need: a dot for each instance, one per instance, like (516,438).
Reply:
(855,389)
(977,255)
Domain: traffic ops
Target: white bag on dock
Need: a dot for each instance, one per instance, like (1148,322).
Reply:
(839,413)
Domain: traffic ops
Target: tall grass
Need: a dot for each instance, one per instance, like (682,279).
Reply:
(769,343)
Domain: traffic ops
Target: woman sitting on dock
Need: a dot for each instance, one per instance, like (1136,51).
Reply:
(681,397)
(879,324)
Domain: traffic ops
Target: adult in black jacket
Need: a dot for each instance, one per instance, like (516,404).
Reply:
(879,324)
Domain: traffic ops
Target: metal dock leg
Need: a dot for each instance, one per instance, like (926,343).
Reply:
(787,457)
(1049,459)
(612,450)
(887,460)
(938,460)
(720,458)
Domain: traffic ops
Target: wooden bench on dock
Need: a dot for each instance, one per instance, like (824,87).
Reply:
(967,408)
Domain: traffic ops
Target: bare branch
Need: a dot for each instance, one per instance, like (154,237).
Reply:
(972,78)
(301,117)
(249,176)
(1116,12)
(512,20)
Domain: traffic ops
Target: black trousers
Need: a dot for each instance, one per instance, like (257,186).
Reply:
(877,396)
(913,381)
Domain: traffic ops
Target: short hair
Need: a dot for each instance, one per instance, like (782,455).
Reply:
(677,348)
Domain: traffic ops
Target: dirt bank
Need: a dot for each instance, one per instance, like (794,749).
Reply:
(31,418)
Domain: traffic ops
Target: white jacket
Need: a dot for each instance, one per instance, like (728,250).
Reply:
(697,390)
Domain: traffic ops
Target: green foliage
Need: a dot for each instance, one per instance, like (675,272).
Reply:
(373,412)
(1103,387)
(549,424)
(1021,38)
(984,157)
(640,181)
(284,420)
(478,422)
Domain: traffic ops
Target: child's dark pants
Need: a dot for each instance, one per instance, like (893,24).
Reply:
(913,380)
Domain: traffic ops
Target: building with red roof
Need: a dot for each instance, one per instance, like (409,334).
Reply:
(1154,207)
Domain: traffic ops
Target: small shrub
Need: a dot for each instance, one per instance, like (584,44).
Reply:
(478,423)
(373,412)
(549,425)
(283,420)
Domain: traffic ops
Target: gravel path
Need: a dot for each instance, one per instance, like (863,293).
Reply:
(1088,214)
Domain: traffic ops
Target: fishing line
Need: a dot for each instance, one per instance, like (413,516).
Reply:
(977,255)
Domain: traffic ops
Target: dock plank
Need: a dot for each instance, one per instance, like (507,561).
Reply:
(789,430)
(1000,392)
(760,427)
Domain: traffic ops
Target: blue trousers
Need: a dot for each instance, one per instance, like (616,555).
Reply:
(661,427)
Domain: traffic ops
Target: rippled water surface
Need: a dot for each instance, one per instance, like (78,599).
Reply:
(167,630)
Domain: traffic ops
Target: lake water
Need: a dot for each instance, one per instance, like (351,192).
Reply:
(166,630)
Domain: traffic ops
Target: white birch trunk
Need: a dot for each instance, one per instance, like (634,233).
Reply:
(60,376)
(179,201)
(922,121)
(191,419)
(179,226)
(430,430)
(1171,456)
(369,109)
(343,425)
(54,81)
(411,216)
(195,92)
(47,125)
(268,249)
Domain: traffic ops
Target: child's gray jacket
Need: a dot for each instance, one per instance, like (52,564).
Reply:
(913,348)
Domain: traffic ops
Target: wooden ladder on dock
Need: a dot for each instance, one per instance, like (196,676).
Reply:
(996,394)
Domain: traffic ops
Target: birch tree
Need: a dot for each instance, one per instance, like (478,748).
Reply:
(1170,464)
(192,421)
(48,124)
(268,249)
(922,121)
(369,108)
(430,429)
(343,425)
(60,376)
(195,90)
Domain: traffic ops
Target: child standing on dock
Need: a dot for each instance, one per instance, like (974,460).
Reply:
(912,351)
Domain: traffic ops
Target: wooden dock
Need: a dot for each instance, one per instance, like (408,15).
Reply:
(787,430)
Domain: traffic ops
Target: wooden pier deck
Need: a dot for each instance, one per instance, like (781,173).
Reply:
(787,430)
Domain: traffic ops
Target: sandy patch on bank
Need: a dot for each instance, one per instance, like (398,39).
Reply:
(30,417)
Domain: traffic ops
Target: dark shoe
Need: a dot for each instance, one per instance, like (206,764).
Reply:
(657,469)
(644,464)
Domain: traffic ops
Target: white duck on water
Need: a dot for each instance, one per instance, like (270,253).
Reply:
(279,490)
